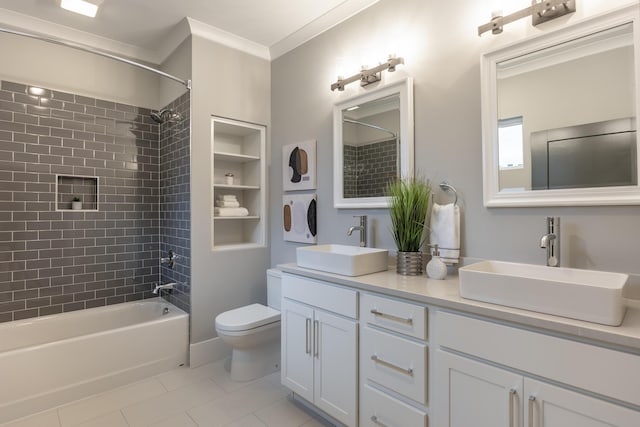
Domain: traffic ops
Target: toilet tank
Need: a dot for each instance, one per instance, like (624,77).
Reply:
(274,288)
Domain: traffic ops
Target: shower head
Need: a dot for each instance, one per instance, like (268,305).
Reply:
(165,115)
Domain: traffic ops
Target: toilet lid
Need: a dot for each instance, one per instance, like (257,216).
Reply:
(247,317)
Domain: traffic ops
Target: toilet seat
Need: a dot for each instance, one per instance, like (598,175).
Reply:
(246,318)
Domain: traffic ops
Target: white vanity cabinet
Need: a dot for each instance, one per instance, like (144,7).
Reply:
(492,375)
(320,345)
(393,362)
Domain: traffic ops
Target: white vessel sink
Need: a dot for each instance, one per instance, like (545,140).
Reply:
(343,259)
(594,296)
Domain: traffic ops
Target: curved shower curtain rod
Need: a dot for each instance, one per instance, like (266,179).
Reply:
(369,125)
(186,83)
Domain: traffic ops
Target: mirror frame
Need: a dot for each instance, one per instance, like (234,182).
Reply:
(404,88)
(493,197)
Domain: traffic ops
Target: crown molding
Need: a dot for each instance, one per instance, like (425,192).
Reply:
(332,18)
(228,39)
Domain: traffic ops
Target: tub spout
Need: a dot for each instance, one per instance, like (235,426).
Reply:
(158,288)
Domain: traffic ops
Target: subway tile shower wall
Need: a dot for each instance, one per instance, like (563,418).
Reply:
(175,212)
(56,261)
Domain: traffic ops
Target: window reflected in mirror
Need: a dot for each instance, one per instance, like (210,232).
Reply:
(566,114)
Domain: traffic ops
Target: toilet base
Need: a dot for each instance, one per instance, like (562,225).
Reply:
(256,362)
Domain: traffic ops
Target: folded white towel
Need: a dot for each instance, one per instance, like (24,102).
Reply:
(445,231)
(230,211)
(228,197)
(227,204)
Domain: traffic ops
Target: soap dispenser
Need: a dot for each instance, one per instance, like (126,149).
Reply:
(436,268)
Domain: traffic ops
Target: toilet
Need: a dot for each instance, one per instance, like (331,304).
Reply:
(253,332)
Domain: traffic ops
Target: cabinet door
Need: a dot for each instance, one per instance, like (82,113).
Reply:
(558,407)
(335,368)
(297,348)
(469,393)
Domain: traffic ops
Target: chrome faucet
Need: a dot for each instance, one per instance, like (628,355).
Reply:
(362,228)
(170,260)
(551,241)
(159,288)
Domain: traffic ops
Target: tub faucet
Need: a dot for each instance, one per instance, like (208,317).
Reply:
(170,260)
(158,288)
(362,228)
(551,241)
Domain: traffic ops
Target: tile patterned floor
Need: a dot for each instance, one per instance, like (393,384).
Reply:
(200,397)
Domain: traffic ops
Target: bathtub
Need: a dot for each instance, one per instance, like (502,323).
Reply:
(48,361)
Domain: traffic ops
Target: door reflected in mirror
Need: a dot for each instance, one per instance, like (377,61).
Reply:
(566,114)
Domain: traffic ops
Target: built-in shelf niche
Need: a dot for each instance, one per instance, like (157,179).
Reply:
(69,187)
(239,148)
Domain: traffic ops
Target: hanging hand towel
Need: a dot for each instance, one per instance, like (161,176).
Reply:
(445,231)
(230,212)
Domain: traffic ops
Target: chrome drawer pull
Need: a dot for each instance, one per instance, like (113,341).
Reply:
(375,420)
(307,340)
(316,339)
(408,371)
(512,393)
(375,312)
(532,400)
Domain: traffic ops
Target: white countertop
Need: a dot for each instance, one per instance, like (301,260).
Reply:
(446,294)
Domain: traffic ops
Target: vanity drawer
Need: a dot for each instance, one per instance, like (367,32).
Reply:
(377,408)
(398,316)
(320,294)
(395,363)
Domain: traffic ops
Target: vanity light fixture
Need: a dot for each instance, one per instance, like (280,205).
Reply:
(540,11)
(83,7)
(368,76)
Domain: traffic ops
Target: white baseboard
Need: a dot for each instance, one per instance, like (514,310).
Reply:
(208,351)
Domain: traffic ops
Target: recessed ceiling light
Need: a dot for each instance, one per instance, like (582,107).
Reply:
(87,8)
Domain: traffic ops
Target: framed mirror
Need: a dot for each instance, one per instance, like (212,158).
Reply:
(372,144)
(559,116)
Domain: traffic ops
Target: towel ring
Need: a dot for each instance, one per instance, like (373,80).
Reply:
(445,186)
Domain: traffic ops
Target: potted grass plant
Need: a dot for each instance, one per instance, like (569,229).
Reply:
(408,204)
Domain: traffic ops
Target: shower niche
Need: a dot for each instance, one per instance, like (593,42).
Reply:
(76,193)
(238,208)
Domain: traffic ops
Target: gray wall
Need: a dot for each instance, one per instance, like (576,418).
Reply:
(56,259)
(175,206)
(442,51)
(70,70)
(231,84)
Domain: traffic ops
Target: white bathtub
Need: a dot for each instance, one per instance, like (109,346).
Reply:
(48,361)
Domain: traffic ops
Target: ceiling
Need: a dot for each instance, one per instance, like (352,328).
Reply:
(150,29)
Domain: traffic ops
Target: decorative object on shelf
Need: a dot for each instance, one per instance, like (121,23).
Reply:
(408,204)
(76,204)
(299,218)
(299,166)
(227,205)
(540,11)
(228,178)
(436,268)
